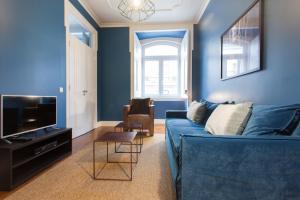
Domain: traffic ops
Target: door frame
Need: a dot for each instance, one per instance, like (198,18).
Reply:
(70,9)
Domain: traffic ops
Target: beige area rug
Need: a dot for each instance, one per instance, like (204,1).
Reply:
(71,179)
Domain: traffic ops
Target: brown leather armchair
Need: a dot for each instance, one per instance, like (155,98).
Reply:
(146,119)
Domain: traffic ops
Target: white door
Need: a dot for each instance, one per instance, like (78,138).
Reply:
(82,87)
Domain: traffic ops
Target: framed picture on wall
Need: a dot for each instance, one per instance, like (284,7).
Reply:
(242,44)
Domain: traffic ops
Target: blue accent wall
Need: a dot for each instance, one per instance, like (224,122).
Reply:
(162,106)
(195,66)
(159,34)
(33,49)
(278,82)
(114,73)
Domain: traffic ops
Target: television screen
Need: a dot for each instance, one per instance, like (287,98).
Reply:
(21,114)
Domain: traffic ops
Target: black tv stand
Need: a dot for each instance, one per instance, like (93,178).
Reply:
(49,129)
(6,141)
(22,160)
(20,139)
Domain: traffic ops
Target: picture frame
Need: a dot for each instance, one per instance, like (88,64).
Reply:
(242,44)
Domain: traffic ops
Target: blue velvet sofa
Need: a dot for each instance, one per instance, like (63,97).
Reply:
(259,164)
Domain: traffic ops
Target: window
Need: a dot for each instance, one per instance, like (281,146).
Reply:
(161,50)
(161,70)
(76,29)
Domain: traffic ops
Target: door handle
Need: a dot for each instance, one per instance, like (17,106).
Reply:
(84,92)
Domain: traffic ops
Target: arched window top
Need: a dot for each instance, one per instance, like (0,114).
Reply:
(162,49)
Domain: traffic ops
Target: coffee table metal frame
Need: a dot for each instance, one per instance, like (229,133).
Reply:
(131,152)
(131,127)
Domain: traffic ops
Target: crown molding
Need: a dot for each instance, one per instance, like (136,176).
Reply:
(152,26)
(201,11)
(88,8)
(112,25)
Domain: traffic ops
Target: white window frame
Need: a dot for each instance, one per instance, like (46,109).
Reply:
(160,59)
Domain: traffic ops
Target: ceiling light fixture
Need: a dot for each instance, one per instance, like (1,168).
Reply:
(136,10)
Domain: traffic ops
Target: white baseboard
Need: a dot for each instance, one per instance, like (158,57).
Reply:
(159,121)
(114,123)
(107,123)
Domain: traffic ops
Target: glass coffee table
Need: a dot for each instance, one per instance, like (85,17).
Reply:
(116,137)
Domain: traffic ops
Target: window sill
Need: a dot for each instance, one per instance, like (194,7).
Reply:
(169,99)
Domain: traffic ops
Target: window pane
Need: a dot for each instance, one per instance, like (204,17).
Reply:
(161,50)
(170,77)
(151,78)
(79,31)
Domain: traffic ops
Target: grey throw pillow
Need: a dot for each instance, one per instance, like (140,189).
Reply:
(196,112)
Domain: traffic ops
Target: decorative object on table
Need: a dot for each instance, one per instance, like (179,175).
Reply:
(139,116)
(241,44)
(136,10)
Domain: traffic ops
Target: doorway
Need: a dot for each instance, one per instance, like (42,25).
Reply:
(81,90)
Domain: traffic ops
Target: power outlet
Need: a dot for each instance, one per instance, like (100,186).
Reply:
(61,89)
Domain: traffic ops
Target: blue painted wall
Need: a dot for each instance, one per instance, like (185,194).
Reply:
(114,73)
(162,106)
(195,66)
(33,49)
(278,83)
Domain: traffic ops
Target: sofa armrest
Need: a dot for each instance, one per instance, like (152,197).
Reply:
(234,168)
(180,114)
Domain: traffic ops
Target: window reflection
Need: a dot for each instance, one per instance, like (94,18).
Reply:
(241,45)
(79,31)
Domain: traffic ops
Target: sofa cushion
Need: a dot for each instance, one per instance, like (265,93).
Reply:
(176,127)
(268,119)
(181,123)
(229,119)
(210,107)
(292,125)
(176,132)
(196,112)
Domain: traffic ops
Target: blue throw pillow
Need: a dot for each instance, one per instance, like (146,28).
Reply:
(210,107)
(268,119)
(297,131)
(291,126)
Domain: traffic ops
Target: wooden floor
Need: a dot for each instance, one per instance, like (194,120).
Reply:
(78,144)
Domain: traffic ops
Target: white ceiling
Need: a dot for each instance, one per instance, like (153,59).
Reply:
(167,11)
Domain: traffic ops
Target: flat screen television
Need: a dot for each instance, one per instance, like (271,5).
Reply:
(22,114)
